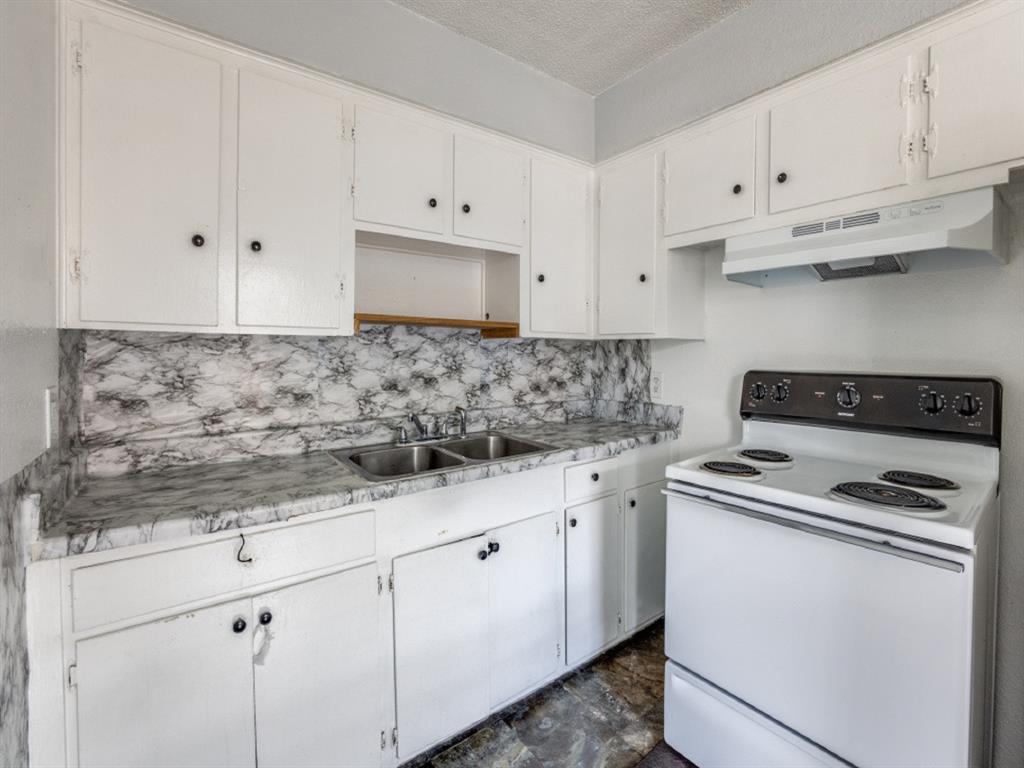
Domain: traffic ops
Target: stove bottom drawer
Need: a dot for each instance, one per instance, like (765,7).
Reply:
(712,729)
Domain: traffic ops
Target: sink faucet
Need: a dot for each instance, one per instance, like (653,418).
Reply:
(424,431)
(461,413)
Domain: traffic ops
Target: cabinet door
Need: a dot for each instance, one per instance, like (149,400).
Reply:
(318,682)
(523,605)
(441,664)
(976,105)
(490,184)
(593,577)
(175,692)
(558,248)
(401,172)
(628,239)
(291,186)
(644,518)
(150,181)
(839,141)
(709,179)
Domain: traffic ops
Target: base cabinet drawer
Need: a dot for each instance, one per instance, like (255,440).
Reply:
(122,589)
(593,479)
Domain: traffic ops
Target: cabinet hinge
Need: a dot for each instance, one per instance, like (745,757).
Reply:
(76,58)
(73,676)
(929,81)
(908,146)
(75,265)
(341,287)
(558,529)
(394,737)
(383,741)
(391,582)
(558,650)
(619,618)
(380,591)
(352,132)
(352,190)
(908,89)
(930,140)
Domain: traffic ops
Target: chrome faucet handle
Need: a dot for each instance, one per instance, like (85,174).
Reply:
(461,413)
(403,435)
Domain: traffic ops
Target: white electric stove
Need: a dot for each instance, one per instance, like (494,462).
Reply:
(831,579)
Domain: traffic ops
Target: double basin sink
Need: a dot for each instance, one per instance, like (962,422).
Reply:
(389,462)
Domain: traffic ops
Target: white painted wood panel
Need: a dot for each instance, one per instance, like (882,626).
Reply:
(628,232)
(400,166)
(559,261)
(150,181)
(291,189)
(585,481)
(523,606)
(841,140)
(174,693)
(317,672)
(593,577)
(709,177)
(442,671)
(976,108)
(490,181)
(644,564)
(396,282)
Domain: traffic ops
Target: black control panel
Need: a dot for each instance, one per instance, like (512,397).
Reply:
(950,408)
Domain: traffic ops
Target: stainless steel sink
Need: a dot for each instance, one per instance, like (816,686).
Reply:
(390,462)
(493,445)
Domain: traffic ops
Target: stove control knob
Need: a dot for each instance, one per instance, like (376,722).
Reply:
(848,397)
(933,403)
(968,405)
(780,392)
(759,391)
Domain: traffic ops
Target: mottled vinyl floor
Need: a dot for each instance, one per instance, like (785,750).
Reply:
(606,715)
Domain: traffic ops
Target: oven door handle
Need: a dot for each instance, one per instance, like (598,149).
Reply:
(880,547)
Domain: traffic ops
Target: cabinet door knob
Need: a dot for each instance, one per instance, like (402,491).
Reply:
(781,178)
(465,207)
(266,617)
(493,547)
(632,503)
(643,278)
(595,477)
(572,522)
(482,554)
(239,626)
(256,246)
(540,278)
(737,188)
(432,202)
(198,241)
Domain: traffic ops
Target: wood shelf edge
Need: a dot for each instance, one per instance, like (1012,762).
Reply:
(489,329)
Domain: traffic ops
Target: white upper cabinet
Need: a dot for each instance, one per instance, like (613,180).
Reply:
(840,140)
(291,191)
(490,192)
(628,238)
(402,172)
(559,253)
(975,90)
(709,178)
(144,122)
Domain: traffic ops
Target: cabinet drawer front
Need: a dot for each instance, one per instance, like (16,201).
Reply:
(125,588)
(593,479)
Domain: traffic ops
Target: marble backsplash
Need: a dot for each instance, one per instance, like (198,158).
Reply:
(151,400)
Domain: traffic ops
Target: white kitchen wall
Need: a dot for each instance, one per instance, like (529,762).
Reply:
(960,322)
(389,48)
(749,51)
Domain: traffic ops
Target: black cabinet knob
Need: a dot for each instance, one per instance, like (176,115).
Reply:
(266,617)
(493,547)
(572,522)
(737,188)
(781,178)
(643,278)
(632,503)
(465,207)
(198,241)
(482,554)
(256,246)
(595,477)
(540,278)
(432,202)
(239,626)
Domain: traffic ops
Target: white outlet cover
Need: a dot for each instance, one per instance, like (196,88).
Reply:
(52,416)
(657,383)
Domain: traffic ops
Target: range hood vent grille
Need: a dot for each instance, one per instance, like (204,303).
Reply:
(809,229)
(861,219)
(880,265)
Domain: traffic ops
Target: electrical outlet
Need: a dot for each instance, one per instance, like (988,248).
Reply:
(657,382)
(51,416)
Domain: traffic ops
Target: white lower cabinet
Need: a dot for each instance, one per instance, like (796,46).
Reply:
(174,692)
(644,531)
(593,577)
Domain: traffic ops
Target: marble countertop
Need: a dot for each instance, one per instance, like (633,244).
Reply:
(187,501)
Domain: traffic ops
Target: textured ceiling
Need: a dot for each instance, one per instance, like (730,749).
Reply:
(590,44)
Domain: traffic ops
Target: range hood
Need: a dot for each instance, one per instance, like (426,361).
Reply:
(950,232)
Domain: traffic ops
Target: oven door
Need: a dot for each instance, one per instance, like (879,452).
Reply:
(861,646)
